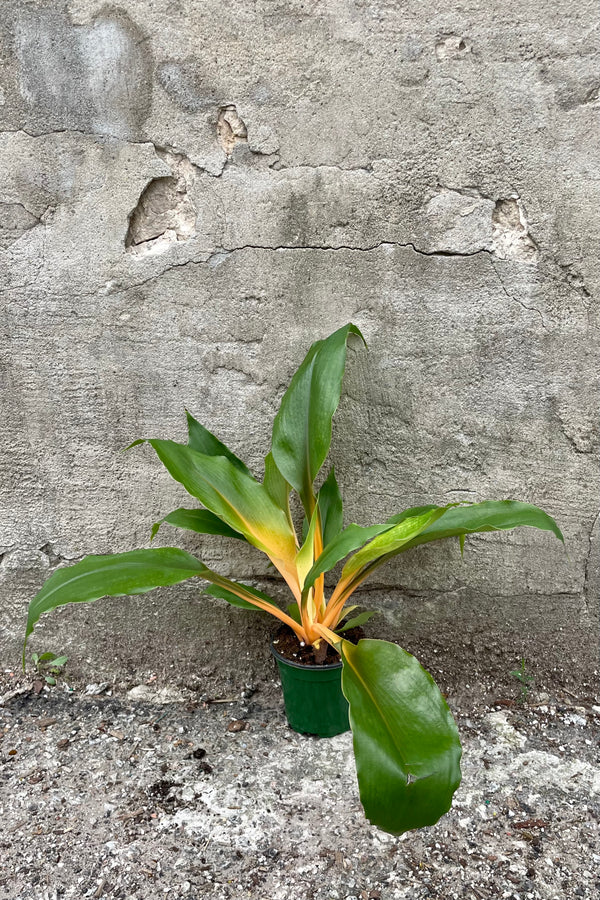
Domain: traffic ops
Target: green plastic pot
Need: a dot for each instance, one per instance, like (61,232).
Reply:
(313,698)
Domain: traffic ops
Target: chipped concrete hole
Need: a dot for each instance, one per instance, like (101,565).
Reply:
(451,46)
(469,221)
(165,212)
(231,129)
(510,233)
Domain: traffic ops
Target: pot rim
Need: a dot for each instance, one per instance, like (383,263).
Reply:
(296,665)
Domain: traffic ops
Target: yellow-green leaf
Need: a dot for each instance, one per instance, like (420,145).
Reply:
(231,494)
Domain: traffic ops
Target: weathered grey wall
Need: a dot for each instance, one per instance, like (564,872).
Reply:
(191,193)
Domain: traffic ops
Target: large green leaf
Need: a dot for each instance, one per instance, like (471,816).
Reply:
(331,508)
(204,441)
(201,521)
(491,515)
(302,427)
(413,511)
(114,575)
(406,743)
(388,543)
(232,495)
(349,539)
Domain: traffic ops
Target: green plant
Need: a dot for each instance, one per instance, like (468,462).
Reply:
(525,680)
(49,665)
(405,740)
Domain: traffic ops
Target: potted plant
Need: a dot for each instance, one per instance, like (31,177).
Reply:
(406,743)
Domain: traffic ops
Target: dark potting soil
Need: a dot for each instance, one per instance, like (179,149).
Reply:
(287,644)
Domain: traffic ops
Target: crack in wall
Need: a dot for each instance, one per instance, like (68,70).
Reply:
(216,256)
(511,296)
(165,214)
(15,221)
(95,135)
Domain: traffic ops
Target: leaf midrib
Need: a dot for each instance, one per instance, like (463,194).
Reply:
(379,710)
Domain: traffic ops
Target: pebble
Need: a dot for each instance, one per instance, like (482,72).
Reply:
(237,725)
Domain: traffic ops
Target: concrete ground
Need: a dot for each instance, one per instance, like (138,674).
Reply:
(115,791)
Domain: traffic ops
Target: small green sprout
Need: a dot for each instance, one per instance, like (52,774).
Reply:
(49,665)
(525,680)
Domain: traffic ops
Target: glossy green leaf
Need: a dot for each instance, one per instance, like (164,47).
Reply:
(114,575)
(491,515)
(411,512)
(226,593)
(349,539)
(302,427)
(331,508)
(406,743)
(277,487)
(232,495)
(356,621)
(388,543)
(201,521)
(204,441)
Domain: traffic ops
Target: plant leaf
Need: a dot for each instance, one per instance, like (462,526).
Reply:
(331,507)
(305,555)
(302,427)
(349,539)
(226,594)
(293,611)
(59,661)
(204,441)
(247,597)
(135,572)
(232,495)
(356,621)
(277,488)
(491,515)
(275,484)
(115,575)
(411,512)
(201,521)
(390,541)
(406,743)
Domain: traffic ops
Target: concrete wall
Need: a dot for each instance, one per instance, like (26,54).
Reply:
(191,193)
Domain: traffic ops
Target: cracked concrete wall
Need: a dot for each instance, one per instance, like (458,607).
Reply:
(192,193)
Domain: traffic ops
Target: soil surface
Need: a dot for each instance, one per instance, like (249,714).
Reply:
(287,645)
(157,791)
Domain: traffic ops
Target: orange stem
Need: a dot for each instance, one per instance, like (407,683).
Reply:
(261,604)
